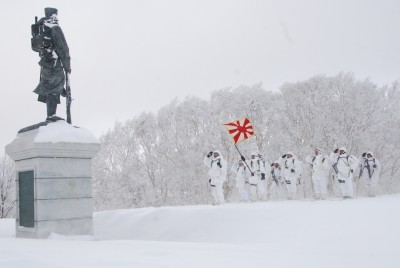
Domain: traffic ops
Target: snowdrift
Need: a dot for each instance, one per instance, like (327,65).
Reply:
(331,233)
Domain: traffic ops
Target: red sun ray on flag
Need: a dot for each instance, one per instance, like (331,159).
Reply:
(240,130)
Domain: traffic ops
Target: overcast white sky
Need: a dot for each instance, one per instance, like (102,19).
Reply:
(135,56)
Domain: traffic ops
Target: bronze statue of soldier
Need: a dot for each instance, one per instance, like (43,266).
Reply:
(49,41)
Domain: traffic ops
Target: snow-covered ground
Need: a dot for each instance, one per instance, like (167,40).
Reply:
(331,233)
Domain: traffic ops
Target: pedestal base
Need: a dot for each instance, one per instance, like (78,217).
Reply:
(53,180)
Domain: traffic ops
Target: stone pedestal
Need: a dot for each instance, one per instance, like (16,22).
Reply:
(53,180)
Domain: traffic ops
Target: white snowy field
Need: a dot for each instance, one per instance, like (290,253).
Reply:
(353,233)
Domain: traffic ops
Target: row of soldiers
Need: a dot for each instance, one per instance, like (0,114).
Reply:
(256,179)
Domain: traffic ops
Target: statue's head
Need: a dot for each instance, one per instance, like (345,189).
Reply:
(49,11)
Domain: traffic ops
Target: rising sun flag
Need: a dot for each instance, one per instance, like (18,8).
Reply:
(240,130)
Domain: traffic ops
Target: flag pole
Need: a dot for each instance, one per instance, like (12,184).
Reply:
(245,160)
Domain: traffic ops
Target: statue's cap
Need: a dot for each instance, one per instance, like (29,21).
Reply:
(48,11)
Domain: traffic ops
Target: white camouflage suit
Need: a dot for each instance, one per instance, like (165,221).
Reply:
(291,171)
(345,167)
(241,178)
(258,186)
(276,182)
(320,172)
(217,173)
(370,168)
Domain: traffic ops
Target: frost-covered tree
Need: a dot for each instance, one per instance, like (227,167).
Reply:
(117,169)
(385,140)
(185,129)
(328,112)
(7,187)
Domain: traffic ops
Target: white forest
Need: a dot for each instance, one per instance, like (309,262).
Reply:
(156,159)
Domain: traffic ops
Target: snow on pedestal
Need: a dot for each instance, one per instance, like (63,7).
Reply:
(53,179)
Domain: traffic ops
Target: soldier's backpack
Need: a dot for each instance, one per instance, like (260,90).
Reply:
(37,36)
(40,37)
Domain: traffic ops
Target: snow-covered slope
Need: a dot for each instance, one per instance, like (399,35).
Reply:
(332,233)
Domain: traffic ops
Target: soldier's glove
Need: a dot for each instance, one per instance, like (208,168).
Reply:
(272,165)
(252,174)
(364,154)
(351,170)
(374,166)
(284,156)
(336,150)
(219,164)
(242,157)
(68,70)
(209,154)
(262,176)
(292,170)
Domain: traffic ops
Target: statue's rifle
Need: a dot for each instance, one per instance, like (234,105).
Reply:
(68,98)
(37,35)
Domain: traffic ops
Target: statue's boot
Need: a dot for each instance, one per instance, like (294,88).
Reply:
(52,101)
